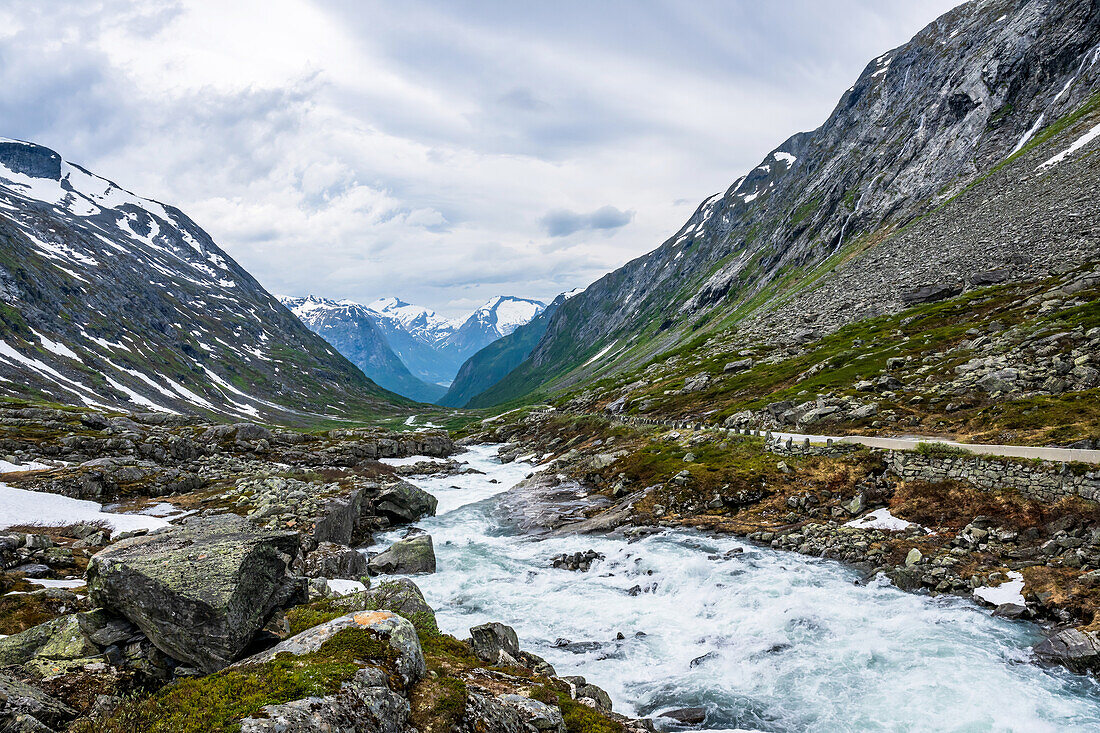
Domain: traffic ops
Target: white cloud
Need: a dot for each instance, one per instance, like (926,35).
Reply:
(358,149)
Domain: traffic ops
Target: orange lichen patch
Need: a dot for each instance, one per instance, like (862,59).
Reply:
(367,618)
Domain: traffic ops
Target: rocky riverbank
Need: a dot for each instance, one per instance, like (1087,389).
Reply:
(232,596)
(1022,556)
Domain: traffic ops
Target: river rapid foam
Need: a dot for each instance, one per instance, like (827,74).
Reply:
(763,639)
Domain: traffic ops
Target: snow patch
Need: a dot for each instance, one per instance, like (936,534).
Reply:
(1010,591)
(20,506)
(882,519)
(1079,143)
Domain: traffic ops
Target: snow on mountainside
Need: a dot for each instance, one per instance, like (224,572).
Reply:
(431,347)
(421,323)
(113,300)
(351,329)
(505,314)
(497,318)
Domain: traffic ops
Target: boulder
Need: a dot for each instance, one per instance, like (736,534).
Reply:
(407,662)
(737,366)
(1002,380)
(363,704)
(399,595)
(403,503)
(405,557)
(589,694)
(495,643)
(201,590)
(537,715)
(1073,648)
(24,708)
(687,716)
(817,415)
(56,646)
(930,293)
(330,560)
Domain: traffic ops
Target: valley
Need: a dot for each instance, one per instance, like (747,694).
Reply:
(827,458)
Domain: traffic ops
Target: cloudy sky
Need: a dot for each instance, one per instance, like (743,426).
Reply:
(443,152)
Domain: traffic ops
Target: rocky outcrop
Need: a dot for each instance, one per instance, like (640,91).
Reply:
(200,591)
(364,704)
(1074,648)
(405,557)
(405,659)
(26,709)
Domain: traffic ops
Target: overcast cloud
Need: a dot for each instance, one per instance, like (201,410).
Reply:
(444,152)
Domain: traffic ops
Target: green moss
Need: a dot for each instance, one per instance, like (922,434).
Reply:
(218,702)
(579,718)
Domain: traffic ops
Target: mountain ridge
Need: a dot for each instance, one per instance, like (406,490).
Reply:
(922,124)
(111,300)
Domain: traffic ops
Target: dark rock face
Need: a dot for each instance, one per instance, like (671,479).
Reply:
(405,557)
(687,716)
(105,278)
(1073,648)
(495,643)
(200,591)
(921,124)
(330,560)
(26,709)
(404,503)
(930,294)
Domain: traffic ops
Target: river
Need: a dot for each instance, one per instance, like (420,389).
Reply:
(765,640)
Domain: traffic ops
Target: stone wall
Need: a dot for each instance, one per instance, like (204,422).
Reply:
(1044,481)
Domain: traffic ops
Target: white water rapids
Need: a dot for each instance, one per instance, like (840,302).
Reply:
(764,640)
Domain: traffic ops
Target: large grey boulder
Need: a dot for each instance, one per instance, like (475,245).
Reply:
(200,591)
(404,503)
(24,708)
(495,643)
(330,560)
(1078,650)
(405,557)
(364,704)
(407,663)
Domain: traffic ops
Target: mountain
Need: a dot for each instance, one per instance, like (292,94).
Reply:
(111,300)
(493,362)
(416,335)
(351,328)
(499,317)
(433,347)
(962,158)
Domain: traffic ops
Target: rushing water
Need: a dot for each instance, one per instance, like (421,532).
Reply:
(764,640)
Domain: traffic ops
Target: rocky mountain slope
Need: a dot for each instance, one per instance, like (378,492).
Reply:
(112,300)
(961,159)
(415,335)
(498,318)
(492,363)
(352,329)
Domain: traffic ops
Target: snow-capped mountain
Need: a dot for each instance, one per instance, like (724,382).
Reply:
(353,330)
(496,319)
(113,300)
(421,323)
(430,346)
